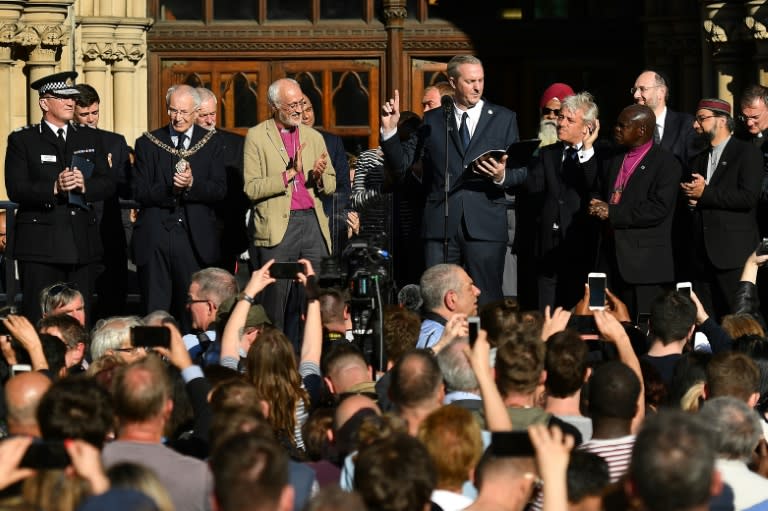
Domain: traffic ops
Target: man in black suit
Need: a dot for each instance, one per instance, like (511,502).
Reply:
(673,130)
(231,211)
(564,176)
(475,226)
(754,119)
(56,237)
(637,190)
(179,177)
(723,196)
(112,281)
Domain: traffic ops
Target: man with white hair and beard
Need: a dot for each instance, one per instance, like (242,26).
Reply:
(522,233)
(550,103)
(287,172)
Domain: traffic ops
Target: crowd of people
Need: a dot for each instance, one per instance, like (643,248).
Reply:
(260,394)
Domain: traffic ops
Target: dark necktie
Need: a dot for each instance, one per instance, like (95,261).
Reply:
(571,153)
(180,138)
(60,139)
(656,134)
(464,131)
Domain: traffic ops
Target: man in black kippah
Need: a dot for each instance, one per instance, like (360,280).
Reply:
(54,171)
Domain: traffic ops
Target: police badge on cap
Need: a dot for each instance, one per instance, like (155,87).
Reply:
(59,84)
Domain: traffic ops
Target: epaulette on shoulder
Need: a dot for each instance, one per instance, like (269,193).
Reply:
(27,127)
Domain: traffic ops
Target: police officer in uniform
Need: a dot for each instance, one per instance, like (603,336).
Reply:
(54,171)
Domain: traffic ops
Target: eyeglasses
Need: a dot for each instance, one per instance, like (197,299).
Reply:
(701,118)
(209,114)
(180,113)
(561,117)
(60,288)
(642,89)
(133,351)
(547,111)
(753,118)
(191,300)
(293,106)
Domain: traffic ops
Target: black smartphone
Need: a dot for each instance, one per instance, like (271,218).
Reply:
(474,328)
(762,248)
(285,270)
(511,443)
(45,454)
(597,283)
(150,336)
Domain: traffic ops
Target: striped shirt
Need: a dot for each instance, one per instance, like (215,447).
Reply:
(615,451)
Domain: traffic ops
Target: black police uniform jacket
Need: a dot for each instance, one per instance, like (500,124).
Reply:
(48,229)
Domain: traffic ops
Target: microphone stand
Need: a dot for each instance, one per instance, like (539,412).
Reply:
(447,103)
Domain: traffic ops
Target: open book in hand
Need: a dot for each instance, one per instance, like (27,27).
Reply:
(519,153)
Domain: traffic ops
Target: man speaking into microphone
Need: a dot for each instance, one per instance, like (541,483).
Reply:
(473,231)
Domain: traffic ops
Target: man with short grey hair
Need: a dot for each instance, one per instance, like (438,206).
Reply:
(179,176)
(461,384)
(210,287)
(231,211)
(448,292)
(113,337)
(737,433)
(564,175)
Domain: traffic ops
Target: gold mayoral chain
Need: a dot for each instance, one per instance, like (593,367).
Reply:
(181,153)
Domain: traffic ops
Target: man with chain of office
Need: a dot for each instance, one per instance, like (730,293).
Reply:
(179,177)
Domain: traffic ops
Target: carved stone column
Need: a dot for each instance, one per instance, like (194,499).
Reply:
(117,45)
(756,20)
(394,20)
(10,15)
(43,33)
(725,33)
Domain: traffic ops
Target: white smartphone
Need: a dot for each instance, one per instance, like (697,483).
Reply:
(20,368)
(684,288)
(597,284)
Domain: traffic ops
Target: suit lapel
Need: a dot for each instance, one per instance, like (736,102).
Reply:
(722,165)
(485,118)
(274,137)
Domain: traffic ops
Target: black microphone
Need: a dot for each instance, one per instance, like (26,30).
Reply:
(447,104)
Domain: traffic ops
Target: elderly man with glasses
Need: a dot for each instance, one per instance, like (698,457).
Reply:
(55,170)
(287,173)
(179,177)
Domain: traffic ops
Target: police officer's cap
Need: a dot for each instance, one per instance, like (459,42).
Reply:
(59,84)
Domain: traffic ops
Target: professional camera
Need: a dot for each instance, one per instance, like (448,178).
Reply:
(364,270)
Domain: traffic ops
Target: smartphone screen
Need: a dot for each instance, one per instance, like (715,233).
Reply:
(150,336)
(474,329)
(285,270)
(45,454)
(597,283)
(684,288)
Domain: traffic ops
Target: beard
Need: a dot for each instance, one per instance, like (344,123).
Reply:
(547,132)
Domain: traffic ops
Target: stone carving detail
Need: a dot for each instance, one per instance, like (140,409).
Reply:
(206,47)
(714,33)
(395,13)
(8,32)
(111,52)
(756,28)
(43,35)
